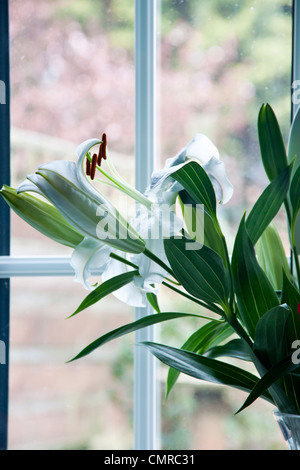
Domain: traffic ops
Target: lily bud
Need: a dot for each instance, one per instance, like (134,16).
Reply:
(42,216)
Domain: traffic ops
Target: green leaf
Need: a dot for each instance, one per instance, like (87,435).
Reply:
(235,348)
(268,205)
(200,271)
(277,372)
(198,185)
(294,141)
(210,334)
(295,192)
(42,216)
(271,345)
(197,220)
(291,296)
(272,146)
(255,295)
(273,340)
(272,257)
(130,328)
(152,299)
(294,155)
(106,288)
(205,368)
(295,202)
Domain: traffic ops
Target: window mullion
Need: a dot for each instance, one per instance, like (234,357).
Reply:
(146,411)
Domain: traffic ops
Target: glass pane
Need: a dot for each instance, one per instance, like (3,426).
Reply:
(86,404)
(220,61)
(72,73)
(72,78)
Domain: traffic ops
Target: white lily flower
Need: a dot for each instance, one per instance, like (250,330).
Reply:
(152,223)
(68,188)
(164,189)
(65,186)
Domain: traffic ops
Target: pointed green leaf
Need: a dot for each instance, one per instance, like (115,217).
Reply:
(130,328)
(268,205)
(272,146)
(200,271)
(205,368)
(198,185)
(42,216)
(271,330)
(197,220)
(284,367)
(106,288)
(294,154)
(295,192)
(295,203)
(291,296)
(272,257)
(294,141)
(255,295)
(210,334)
(272,344)
(152,299)
(235,348)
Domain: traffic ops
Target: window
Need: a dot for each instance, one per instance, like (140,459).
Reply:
(151,74)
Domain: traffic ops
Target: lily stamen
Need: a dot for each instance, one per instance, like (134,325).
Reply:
(93,166)
(88,167)
(102,150)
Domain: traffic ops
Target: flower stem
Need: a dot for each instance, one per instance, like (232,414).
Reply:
(157,260)
(123,260)
(211,307)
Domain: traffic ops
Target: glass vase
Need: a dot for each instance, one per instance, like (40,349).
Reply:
(289,425)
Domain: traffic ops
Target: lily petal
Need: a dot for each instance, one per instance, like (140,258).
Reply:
(87,211)
(131,294)
(69,171)
(163,189)
(87,257)
(201,149)
(29,186)
(216,171)
(81,152)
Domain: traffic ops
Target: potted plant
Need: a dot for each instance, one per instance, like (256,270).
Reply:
(250,299)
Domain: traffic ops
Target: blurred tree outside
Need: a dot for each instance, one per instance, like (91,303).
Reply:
(73,76)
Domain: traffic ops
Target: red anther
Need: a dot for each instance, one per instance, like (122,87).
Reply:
(88,167)
(100,154)
(102,150)
(93,167)
(104,140)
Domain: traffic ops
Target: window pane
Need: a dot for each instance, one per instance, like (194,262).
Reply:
(86,404)
(220,61)
(72,73)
